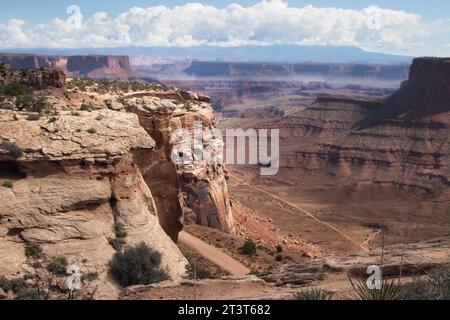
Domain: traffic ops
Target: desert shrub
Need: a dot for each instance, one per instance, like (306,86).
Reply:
(434,286)
(18,285)
(7,184)
(15,89)
(249,248)
(28,294)
(117,244)
(14,151)
(197,273)
(279,258)
(389,291)
(29,103)
(32,249)
(311,294)
(89,277)
(92,130)
(137,265)
(41,105)
(279,248)
(5,284)
(87,107)
(119,231)
(58,266)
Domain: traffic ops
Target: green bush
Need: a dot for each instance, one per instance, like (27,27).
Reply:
(87,107)
(14,151)
(311,295)
(117,244)
(197,273)
(28,294)
(137,265)
(434,286)
(18,285)
(119,231)
(41,105)
(58,266)
(89,277)
(15,89)
(7,184)
(5,284)
(25,102)
(249,248)
(32,249)
(29,103)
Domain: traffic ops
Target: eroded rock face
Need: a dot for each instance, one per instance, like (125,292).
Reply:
(101,67)
(38,79)
(93,66)
(77,177)
(401,142)
(199,187)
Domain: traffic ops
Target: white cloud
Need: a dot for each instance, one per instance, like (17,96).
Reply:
(267,22)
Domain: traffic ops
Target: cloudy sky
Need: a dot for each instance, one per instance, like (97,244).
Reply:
(414,27)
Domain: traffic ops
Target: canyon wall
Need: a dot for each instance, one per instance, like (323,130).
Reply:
(70,178)
(400,142)
(92,66)
(76,178)
(189,189)
(338,70)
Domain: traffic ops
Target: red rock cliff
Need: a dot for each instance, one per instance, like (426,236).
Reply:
(109,67)
(97,67)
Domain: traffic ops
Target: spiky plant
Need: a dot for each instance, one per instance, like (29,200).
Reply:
(311,294)
(389,290)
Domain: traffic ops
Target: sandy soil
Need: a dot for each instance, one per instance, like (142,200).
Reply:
(215,255)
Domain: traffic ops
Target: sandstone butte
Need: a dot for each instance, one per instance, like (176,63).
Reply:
(97,67)
(79,173)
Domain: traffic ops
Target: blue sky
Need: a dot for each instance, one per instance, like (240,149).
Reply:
(409,27)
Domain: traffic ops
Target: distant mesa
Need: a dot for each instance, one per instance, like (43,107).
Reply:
(352,70)
(97,67)
(426,93)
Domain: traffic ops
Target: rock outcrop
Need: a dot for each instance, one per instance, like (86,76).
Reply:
(92,66)
(197,187)
(74,178)
(38,79)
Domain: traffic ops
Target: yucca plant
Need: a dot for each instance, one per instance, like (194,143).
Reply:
(389,290)
(311,294)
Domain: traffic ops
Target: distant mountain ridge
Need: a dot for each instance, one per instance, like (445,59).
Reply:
(337,70)
(274,53)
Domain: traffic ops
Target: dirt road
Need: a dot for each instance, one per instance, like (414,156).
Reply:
(213,254)
(306,212)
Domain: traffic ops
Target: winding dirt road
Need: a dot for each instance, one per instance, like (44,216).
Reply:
(306,212)
(213,254)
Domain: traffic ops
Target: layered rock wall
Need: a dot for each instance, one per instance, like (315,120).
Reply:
(75,179)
